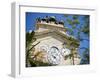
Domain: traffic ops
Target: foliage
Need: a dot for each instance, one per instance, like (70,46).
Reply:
(74,22)
(29,39)
(86,59)
(31,61)
(35,63)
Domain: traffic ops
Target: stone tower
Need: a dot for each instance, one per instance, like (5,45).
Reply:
(55,45)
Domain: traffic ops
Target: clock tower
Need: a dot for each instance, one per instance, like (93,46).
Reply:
(55,45)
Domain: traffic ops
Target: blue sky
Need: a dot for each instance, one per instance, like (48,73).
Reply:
(31,20)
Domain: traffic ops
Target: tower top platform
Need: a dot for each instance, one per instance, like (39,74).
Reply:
(50,20)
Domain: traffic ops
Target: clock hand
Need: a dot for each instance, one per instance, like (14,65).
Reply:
(54,57)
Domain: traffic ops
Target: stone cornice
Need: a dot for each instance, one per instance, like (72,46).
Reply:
(51,26)
(72,40)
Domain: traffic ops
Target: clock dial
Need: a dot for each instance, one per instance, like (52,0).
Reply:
(66,51)
(43,48)
(54,55)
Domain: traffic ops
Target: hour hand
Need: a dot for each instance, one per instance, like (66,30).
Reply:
(54,57)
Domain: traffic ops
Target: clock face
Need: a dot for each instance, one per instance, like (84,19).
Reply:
(65,51)
(43,48)
(54,55)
